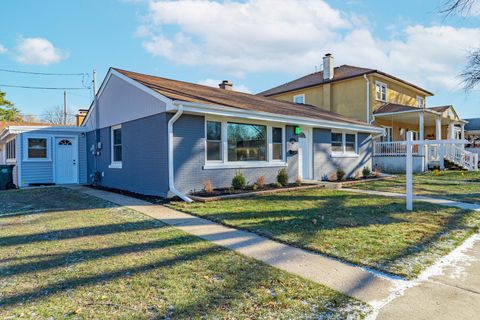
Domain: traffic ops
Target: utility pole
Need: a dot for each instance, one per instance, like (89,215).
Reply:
(64,107)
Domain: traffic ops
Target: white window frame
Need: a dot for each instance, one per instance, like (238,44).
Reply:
(389,134)
(381,84)
(344,153)
(115,164)
(48,139)
(299,96)
(6,147)
(225,164)
(422,105)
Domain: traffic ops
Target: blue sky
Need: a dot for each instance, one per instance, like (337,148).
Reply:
(256,44)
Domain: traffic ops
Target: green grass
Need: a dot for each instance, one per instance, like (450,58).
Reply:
(65,255)
(453,185)
(368,230)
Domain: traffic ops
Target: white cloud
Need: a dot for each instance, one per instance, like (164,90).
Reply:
(262,36)
(214,83)
(2,49)
(38,51)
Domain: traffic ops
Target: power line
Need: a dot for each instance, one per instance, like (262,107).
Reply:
(44,73)
(44,88)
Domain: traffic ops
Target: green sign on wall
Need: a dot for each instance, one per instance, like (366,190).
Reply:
(297,130)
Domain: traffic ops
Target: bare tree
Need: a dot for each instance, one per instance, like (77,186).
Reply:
(471,74)
(55,115)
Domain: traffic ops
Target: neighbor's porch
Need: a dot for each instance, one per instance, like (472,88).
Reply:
(433,124)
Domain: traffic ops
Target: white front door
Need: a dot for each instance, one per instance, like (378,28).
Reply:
(66,160)
(305,161)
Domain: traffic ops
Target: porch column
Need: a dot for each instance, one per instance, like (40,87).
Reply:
(451,132)
(463,131)
(438,128)
(421,148)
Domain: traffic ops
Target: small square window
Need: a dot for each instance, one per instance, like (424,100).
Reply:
(381,91)
(299,99)
(37,148)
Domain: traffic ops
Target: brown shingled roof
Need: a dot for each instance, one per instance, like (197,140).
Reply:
(191,92)
(440,108)
(342,72)
(4,124)
(394,107)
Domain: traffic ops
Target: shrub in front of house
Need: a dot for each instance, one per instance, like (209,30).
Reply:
(377,173)
(333,177)
(340,174)
(366,172)
(260,182)
(238,181)
(282,177)
(278,185)
(207,186)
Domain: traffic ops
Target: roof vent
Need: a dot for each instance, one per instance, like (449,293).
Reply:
(328,67)
(226,85)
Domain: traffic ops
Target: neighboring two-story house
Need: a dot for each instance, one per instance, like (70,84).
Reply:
(377,98)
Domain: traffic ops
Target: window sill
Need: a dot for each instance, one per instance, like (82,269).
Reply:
(115,166)
(37,160)
(344,155)
(239,165)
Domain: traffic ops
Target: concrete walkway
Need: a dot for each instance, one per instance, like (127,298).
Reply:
(366,285)
(442,202)
(448,290)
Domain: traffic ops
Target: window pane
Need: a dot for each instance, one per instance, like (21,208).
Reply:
(337,142)
(214,130)
(117,136)
(350,142)
(117,153)
(213,150)
(277,151)
(246,142)
(37,148)
(299,100)
(277,135)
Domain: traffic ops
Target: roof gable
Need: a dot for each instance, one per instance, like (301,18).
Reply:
(342,72)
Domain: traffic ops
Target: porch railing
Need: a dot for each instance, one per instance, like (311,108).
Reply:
(392,149)
(465,159)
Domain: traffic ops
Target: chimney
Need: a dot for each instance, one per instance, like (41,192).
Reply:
(225,85)
(80,116)
(328,67)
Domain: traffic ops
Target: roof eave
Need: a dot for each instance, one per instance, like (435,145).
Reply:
(266,116)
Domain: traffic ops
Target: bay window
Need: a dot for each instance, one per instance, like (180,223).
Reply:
(343,143)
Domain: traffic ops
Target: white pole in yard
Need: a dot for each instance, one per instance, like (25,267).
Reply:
(409,178)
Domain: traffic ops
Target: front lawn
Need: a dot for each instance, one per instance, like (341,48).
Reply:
(65,255)
(362,229)
(454,185)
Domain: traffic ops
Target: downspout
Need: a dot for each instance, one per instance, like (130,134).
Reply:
(171,177)
(368,98)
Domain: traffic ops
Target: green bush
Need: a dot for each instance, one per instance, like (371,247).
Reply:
(254,187)
(282,177)
(340,174)
(238,181)
(366,172)
(278,185)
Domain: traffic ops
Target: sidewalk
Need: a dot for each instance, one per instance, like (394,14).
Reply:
(361,283)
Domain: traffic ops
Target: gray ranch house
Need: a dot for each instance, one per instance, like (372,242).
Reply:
(157,136)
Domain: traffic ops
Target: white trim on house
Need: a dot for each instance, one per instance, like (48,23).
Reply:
(344,153)
(224,163)
(302,95)
(382,85)
(114,164)
(217,110)
(48,140)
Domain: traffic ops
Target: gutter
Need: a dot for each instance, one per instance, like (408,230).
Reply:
(171,177)
(368,97)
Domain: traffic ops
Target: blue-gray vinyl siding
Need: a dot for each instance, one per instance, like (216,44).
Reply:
(34,172)
(323,163)
(144,157)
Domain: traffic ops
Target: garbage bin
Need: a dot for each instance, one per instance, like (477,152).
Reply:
(6,177)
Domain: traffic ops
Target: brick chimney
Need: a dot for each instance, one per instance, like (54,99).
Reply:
(80,116)
(328,67)
(226,85)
